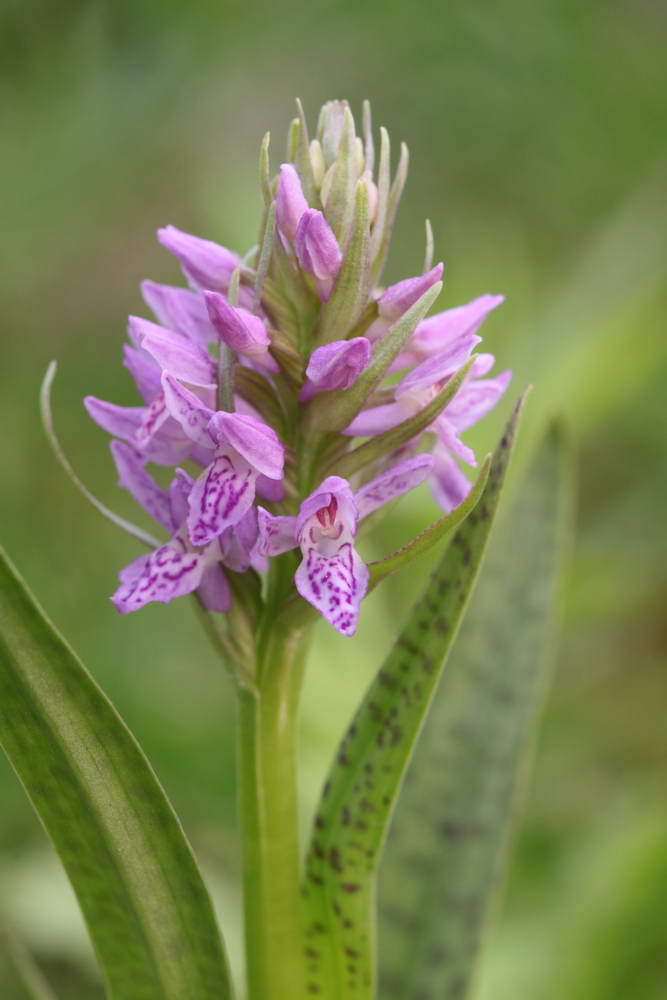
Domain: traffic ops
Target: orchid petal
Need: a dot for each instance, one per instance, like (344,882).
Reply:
(439,366)
(253,439)
(378,419)
(398,298)
(185,407)
(276,534)
(476,399)
(121,421)
(204,263)
(214,590)
(179,309)
(336,365)
(144,371)
(317,247)
(290,201)
(240,330)
(394,483)
(448,484)
(220,496)
(134,478)
(334,585)
(171,571)
(433,334)
(332,488)
(176,354)
(448,436)
(179,492)
(236,544)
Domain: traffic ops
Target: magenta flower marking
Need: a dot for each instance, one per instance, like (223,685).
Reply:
(290,361)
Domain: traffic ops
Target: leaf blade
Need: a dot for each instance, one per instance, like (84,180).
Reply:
(365,777)
(444,849)
(138,885)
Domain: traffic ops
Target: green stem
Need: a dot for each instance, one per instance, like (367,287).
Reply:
(269,821)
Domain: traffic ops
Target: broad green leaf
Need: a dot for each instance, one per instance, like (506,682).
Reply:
(147,910)
(20,977)
(442,858)
(365,778)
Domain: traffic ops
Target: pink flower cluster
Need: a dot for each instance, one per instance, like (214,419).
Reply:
(259,378)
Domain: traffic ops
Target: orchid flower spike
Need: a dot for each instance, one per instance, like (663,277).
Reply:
(267,370)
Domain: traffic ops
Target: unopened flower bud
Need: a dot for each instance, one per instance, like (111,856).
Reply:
(318,251)
(290,201)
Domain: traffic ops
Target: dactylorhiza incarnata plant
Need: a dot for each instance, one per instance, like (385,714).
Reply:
(293,396)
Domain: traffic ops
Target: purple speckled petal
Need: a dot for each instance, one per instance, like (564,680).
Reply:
(154,419)
(220,496)
(204,263)
(433,334)
(164,447)
(214,590)
(290,201)
(144,370)
(318,251)
(179,309)
(398,298)
(440,366)
(185,407)
(276,534)
(448,484)
(171,571)
(334,584)
(253,439)
(134,478)
(175,353)
(336,366)
(394,483)
(475,399)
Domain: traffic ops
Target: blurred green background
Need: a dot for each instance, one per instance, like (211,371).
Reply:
(539,152)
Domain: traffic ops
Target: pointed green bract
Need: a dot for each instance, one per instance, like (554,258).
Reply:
(430,536)
(147,910)
(365,778)
(340,199)
(351,290)
(442,857)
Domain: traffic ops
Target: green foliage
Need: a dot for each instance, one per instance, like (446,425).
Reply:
(138,885)
(442,858)
(365,778)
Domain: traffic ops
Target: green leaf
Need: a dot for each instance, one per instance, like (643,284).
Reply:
(365,778)
(148,912)
(442,858)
